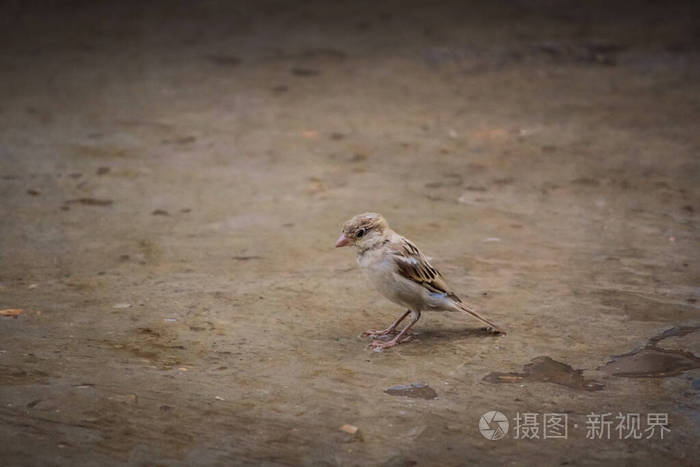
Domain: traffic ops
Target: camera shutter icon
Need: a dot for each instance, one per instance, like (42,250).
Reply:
(493,425)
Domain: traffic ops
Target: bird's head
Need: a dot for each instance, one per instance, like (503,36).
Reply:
(363,230)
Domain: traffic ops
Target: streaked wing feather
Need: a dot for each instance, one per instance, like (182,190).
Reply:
(415,267)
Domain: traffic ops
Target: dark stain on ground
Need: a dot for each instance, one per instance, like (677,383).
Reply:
(503,181)
(413,390)
(33,403)
(180,140)
(91,201)
(305,72)
(652,361)
(547,370)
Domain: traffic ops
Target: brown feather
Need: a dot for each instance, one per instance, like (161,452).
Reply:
(415,267)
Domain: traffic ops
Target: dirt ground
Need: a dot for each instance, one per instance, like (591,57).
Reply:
(174,176)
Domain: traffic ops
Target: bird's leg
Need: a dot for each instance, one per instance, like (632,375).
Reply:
(401,337)
(385,332)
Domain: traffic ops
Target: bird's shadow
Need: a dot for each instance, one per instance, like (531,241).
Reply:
(453,334)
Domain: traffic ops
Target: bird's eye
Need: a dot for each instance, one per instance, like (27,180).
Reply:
(360,233)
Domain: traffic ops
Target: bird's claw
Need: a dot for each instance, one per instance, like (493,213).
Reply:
(374,334)
(378,346)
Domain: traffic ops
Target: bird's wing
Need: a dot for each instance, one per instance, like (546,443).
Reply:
(412,265)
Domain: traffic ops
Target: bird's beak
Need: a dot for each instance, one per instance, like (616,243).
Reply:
(342,241)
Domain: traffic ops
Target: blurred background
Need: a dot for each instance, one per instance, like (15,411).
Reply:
(173,176)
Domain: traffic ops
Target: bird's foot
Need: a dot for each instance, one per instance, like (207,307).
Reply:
(377,334)
(379,346)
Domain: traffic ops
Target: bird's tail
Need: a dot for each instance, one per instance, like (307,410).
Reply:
(468,309)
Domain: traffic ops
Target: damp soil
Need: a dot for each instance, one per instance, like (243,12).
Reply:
(547,370)
(413,390)
(652,361)
(173,178)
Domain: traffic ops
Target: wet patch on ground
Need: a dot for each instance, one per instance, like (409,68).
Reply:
(413,390)
(547,370)
(652,361)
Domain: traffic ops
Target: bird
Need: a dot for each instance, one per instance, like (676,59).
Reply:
(401,273)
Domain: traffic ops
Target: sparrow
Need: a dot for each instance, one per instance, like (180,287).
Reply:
(401,273)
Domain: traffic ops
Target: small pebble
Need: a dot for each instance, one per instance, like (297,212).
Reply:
(352,429)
